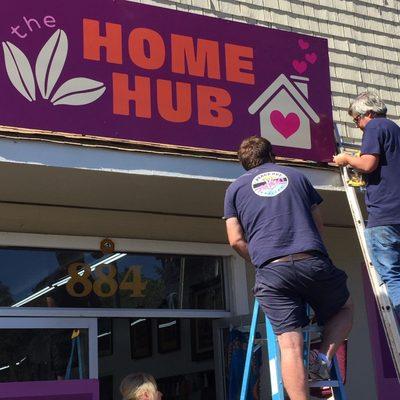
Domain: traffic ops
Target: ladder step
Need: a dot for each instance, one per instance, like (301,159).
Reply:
(320,384)
(313,329)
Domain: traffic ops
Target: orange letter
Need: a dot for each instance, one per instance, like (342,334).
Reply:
(235,64)
(122,95)
(211,103)
(92,41)
(155,48)
(183,53)
(183,110)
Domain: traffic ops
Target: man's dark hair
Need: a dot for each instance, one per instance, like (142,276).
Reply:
(254,151)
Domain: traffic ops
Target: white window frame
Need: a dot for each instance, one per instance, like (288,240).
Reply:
(234,274)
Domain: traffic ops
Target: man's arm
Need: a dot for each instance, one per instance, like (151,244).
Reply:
(366,164)
(316,214)
(236,238)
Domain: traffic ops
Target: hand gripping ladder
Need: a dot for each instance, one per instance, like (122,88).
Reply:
(385,308)
(277,392)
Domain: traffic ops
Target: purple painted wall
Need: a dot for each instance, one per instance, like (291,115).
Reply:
(125,71)
(387,385)
(51,390)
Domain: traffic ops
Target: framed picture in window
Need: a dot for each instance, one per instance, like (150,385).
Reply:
(168,334)
(201,339)
(141,338)
(105,337)
(204,296)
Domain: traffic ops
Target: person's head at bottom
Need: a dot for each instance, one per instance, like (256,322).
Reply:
(139,386)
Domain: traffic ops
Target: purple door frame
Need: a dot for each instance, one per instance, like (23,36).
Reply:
(387,385)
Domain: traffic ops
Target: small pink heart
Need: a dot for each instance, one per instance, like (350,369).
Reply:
(299,66)
(303,44)
(311,57)
(286,126)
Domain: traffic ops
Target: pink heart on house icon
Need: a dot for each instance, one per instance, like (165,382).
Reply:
(286,126)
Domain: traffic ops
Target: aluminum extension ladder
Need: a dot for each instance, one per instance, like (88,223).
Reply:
(277,392)
(385,308)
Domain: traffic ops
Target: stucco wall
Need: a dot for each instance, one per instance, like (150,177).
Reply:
(363,39)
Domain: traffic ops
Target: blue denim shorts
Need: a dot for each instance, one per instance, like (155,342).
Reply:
(284,289)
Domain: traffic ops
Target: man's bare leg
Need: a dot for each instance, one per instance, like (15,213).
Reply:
(294,375)
(337,330)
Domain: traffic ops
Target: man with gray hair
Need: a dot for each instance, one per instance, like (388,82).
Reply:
(380,163)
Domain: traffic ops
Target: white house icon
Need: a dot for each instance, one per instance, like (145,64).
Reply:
(285,113)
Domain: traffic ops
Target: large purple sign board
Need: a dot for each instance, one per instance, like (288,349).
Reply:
(117,70)
(87,389)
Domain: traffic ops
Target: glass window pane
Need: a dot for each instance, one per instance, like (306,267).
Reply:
(43,354)
(71,278)
(178,352)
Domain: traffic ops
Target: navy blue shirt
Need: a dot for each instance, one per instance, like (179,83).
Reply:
(273,204)
(382,137)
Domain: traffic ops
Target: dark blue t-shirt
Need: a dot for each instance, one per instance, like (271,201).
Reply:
(273,204)
(382,136)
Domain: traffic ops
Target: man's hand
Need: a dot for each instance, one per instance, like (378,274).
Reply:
(341,160)
(366,163)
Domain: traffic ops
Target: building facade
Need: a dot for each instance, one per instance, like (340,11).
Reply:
(124,240)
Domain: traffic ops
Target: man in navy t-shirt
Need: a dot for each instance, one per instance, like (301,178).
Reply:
(380,162)
(273,221)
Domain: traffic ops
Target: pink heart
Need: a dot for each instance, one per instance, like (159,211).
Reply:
(286,126)
(311,58)
(299,66)
(303,44)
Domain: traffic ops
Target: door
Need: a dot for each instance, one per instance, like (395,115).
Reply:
(48,358)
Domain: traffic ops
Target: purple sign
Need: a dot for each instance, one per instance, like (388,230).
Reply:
(87,389)
(117,70)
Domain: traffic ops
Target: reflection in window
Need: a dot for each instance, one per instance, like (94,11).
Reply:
(71,278)
(42,354)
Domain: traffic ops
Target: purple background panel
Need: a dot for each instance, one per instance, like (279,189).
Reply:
(87,389)
(387,385)
(275,53)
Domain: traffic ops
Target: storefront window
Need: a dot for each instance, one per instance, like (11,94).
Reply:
(71,278)
(43,354)
(178,352)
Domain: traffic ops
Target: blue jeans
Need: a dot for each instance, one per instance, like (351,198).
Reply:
(384,248)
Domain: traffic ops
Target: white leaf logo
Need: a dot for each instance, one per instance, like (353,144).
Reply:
(49,65)
(78,91)
(19,70)
(50,62)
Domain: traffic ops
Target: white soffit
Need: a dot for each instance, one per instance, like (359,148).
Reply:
(57,155)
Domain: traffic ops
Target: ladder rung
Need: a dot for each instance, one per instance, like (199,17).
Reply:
(313,329)
(320,384)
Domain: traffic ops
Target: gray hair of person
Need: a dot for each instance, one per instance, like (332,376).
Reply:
(367,102)
(138,386)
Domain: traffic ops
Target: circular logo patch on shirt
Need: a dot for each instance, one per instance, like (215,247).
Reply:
(269,184)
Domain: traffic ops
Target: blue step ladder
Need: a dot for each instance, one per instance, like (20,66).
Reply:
(277,392)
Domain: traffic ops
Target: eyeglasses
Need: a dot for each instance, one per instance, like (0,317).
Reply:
(356,119)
